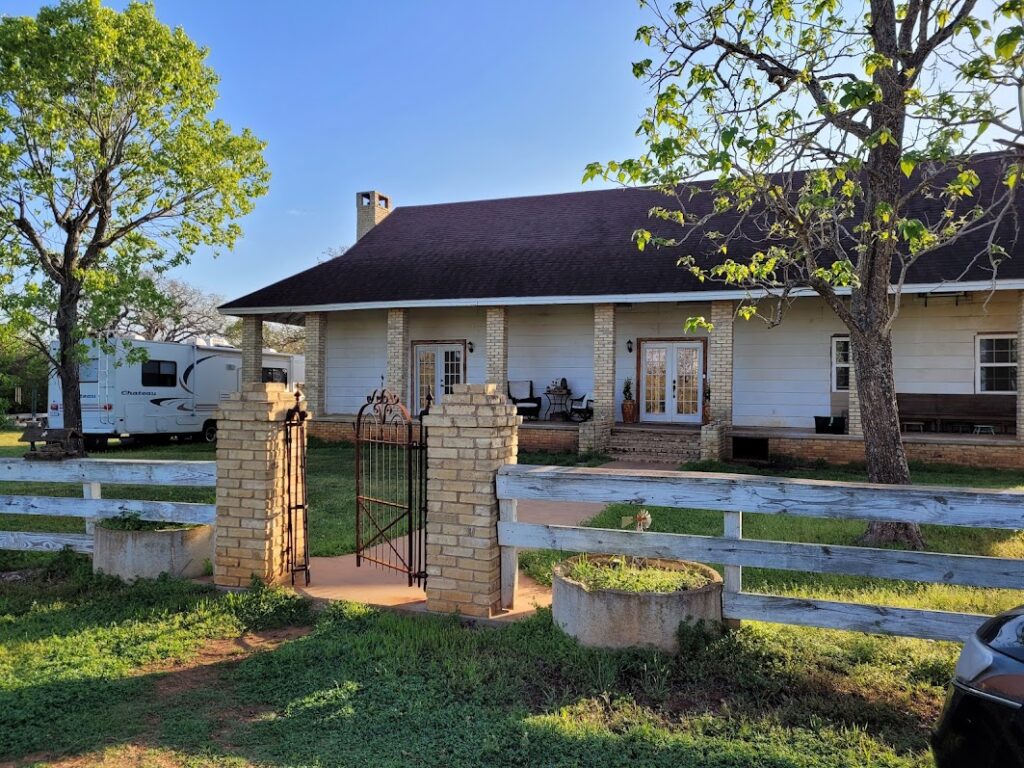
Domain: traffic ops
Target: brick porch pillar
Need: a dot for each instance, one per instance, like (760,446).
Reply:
(497,348)
(251,507)
(396,378)
(714,436)
(252,349)
(854,426)
(1020,366)
(473,432)
(720,360)
(316,362)
(595,435)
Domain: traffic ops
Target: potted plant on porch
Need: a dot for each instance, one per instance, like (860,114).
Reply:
(614,601)
(630,407)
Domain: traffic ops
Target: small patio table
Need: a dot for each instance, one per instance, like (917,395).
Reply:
(558,402)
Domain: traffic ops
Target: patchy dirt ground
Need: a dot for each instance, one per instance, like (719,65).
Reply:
(176,679)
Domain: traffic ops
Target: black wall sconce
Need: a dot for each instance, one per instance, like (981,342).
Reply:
(629,345)
(469,346)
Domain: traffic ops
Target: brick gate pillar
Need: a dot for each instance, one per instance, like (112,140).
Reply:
(596,434)
(251,524)
(854,425)
(473,432)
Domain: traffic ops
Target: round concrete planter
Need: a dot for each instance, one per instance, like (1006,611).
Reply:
(131,555)
(613,618)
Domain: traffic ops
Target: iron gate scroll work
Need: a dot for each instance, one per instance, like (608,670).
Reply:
(296,552)
(391,487)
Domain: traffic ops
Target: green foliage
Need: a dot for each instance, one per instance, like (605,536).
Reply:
(632,575)
(761,112)
(112,168)
(263,607)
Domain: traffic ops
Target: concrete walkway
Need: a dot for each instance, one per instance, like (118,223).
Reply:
(338,578)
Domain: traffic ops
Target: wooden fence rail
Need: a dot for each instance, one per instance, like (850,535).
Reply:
(735,494)
(92,473)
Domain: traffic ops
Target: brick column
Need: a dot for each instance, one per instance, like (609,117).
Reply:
(596,433)
(1020,366)
(472,434)
(316,362)
(720,356)
(252,349)
(397,377)
(714,436)
(251,508)
(853,421)
(497,348)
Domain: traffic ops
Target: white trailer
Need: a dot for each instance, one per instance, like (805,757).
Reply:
(176,391)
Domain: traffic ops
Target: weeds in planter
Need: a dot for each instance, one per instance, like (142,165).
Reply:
(633,575)
(130,521)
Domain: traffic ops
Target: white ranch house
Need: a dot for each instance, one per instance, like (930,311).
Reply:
(547,288)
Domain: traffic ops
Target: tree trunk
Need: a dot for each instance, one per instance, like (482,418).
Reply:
(883,441)
(67,357)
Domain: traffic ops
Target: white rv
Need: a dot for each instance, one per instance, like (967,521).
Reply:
(175,392)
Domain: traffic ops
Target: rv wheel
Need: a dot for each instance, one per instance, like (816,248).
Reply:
(210,431)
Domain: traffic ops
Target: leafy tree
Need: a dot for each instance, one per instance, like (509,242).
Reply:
(23,367)
(180,312)
(110,164)
(817,128)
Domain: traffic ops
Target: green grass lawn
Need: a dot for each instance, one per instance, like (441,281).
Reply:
(107,674)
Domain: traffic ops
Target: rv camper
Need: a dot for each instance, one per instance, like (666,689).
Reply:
(176,391)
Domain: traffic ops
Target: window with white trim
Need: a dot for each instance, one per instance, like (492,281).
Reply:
(840,363)
(997,363)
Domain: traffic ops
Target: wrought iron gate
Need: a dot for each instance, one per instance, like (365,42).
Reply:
(391,487)
(296,542)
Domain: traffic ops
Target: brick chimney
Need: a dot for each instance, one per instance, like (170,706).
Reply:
(371,209)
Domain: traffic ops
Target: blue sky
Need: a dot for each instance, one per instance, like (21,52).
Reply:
(426,101)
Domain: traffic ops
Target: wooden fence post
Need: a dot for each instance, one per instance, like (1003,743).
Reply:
(733,529)
(91,491)
(509,557)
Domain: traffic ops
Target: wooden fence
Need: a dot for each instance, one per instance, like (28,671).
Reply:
(92,474)
(735,494)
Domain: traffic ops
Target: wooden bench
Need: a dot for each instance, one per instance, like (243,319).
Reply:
(940,411)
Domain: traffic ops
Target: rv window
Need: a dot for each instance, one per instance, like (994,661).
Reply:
(275,376)
(159,373)
(89,371)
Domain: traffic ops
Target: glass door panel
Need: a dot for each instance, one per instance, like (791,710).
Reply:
(687,381)
(655,386)
(438,368)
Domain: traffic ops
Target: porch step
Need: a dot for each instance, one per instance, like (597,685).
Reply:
(654,445)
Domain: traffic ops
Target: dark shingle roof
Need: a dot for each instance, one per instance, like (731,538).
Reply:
(575,244)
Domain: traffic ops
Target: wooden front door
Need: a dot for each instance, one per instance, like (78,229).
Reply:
(672,381)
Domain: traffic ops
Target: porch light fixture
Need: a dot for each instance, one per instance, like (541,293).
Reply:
(469,347)
(629,345)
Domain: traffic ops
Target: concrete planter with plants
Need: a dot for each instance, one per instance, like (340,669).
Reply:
(600,617)
(135,549)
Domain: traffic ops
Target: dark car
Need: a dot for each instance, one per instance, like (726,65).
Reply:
(982,723)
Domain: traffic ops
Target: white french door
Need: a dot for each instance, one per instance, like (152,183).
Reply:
(436,369)
(672,381)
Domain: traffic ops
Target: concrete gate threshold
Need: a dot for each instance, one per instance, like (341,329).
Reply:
(338,578)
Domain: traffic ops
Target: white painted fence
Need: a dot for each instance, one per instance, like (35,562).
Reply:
(735,494)
(91,474)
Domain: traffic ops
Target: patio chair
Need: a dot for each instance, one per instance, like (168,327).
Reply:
(581,408)
(526,403)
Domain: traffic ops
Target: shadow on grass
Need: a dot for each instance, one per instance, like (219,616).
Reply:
(379,689)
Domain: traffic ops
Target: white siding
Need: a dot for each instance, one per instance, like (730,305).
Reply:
(356,357)
(782,376)
(934,344)
(549,343)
